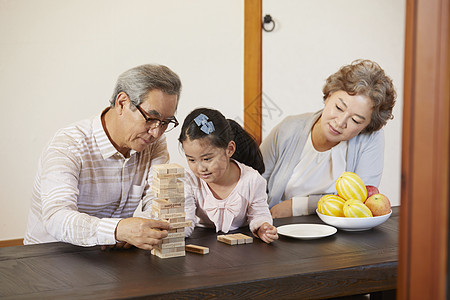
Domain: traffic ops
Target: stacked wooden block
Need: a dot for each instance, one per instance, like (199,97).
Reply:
(169,205)
(235,239)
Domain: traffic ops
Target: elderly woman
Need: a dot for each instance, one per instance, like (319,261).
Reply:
(305,154)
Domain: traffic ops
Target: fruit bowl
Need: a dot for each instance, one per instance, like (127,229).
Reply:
(353,224)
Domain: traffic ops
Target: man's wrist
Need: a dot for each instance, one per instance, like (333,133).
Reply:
(115,233)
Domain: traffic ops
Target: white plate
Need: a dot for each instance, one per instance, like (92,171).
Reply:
(306,231)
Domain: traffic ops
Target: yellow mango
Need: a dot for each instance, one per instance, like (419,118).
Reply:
(355,208)
(350,186)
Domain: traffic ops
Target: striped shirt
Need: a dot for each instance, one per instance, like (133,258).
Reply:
(84,186)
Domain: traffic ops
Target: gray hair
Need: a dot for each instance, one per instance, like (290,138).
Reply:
(140,80)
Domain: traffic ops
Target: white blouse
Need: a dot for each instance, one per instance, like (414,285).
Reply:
(316,173)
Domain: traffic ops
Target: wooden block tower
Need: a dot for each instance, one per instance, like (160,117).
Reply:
(169,205)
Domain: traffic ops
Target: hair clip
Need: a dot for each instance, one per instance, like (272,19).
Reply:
(206,126)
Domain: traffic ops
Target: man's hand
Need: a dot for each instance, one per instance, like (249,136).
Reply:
(267,233)
(142,233)
(120,245)
(282,210)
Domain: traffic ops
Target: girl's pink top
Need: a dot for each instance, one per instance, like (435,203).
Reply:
(246,204)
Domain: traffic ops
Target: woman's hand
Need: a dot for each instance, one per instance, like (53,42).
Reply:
(282,210)
(267,233)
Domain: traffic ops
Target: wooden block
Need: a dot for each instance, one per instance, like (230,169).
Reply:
(187,223)
(170,255)
(171,168)
(235,239)
(169,194)
(175,234)
(173,230)
(169,216)
(172,245)
(175,220)
(227,240)
(176,209)
(175,199)
(247,239)
(170,240)
(175,168)
(165,182)
(173,171)
(168,213)
(240,239)
(156,210)
(178,192)
(163,190)
(158,253)
(163,176)
(169,250)
(197,249)
(167,170)
(178,230)
(160,169)
(164,204)
(178,187)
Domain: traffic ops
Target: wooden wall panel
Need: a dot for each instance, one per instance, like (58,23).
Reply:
(253,68)
(425,155)
(9,243)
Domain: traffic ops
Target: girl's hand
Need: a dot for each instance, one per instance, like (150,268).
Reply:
(282,209)
(267,233)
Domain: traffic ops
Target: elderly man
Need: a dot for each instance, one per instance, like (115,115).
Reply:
(94,173)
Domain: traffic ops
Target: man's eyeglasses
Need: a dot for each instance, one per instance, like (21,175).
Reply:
(155,123)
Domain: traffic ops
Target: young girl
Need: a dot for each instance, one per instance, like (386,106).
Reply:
(221,189)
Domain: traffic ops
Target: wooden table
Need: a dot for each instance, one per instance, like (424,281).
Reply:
(342,264)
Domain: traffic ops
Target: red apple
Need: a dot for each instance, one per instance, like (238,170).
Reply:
(371,190)
(378,204)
